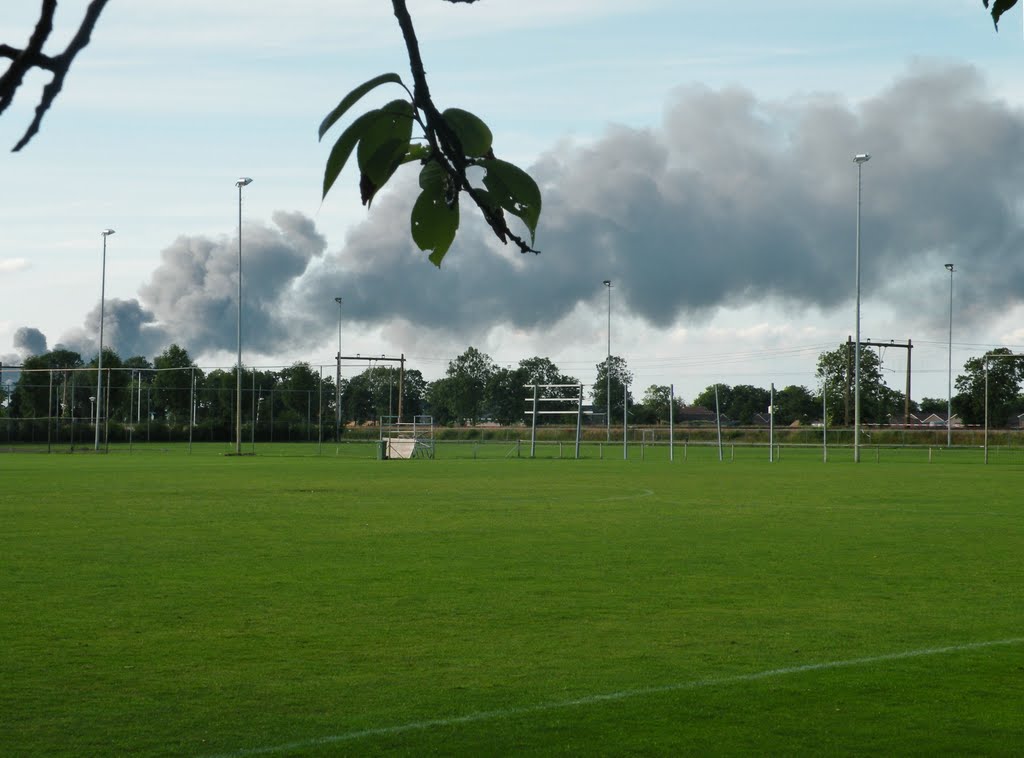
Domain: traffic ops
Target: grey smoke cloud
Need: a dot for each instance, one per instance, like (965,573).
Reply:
(731,199)
(191,298)
(29,341)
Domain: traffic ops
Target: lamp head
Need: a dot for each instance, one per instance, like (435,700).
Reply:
(242,181)
(107,232)
(949,268)
(337,300)
(607,282)
(862,157)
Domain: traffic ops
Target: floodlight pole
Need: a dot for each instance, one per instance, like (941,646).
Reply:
(608,364)
(860,159)
(99,360)
(238,378)
(337,381)
(949,371)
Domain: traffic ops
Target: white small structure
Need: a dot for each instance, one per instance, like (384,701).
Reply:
(403,441)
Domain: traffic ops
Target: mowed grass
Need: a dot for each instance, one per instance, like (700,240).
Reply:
(208,605)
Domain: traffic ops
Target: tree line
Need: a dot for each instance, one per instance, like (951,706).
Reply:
(297,402)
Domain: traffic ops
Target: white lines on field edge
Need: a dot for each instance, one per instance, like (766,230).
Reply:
(693,684)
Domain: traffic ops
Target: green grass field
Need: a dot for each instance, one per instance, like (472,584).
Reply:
(166,604)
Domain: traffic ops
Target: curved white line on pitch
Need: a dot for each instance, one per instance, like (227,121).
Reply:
(610,697)
(642,493)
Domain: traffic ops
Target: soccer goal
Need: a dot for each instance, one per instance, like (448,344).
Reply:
(403,440)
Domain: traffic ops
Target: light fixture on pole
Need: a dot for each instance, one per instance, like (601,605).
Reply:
(608,364)
(337,381)
(860,159)
(238,374)
(949,371)
(99,360)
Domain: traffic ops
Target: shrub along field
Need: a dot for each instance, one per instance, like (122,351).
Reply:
(262,605)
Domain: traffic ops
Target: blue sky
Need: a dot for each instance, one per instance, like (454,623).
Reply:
(697,154)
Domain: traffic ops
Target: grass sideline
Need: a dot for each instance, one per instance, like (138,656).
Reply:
(209,605)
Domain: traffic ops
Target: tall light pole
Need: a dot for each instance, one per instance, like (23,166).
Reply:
(337,380)
(608,363)
(949,370)
(860,159)
(238,374)
(99,361)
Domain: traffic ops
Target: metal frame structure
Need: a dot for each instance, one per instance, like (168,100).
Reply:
(534,410)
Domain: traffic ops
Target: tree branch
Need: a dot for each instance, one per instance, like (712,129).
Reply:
(23,60)
(445,146)
(33,57)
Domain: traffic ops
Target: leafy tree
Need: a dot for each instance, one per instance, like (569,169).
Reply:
(469,373)
(296,393)
(620,379)
(653,409)
(706,399)
(116,382)
(127,406)
(414,391)
(452,142)
(836,372)
(796,403)
(172,384)
(71,386)
(933,405)
(1004,378)
(505,395)
(442,400)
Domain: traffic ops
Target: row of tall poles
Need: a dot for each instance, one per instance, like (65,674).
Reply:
(242,182)
(860,159)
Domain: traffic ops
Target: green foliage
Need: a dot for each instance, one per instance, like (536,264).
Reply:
(1005,374)
(620,380)
(434,222)
(452,142)
(514,190)
(999,7)
(473,134)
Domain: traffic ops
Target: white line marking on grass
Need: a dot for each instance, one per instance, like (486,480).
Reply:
(694,684)
(637,496)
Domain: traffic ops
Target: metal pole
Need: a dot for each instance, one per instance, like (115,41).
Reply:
(608,365)
(986,407)
(718,424)
(671,422)
(579,420)
(771,424)
(337,380)
(238,373)
(625,424)
(533,424)
(99,361)
(824,420)
(949,370)
(860,160)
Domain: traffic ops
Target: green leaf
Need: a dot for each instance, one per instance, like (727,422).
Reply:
(385,141)
(343,148)
(474,134)
(434,224)
(432,177)
(416,152)
(514,190)
(352,97)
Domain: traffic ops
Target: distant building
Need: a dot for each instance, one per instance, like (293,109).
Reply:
(935,419)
